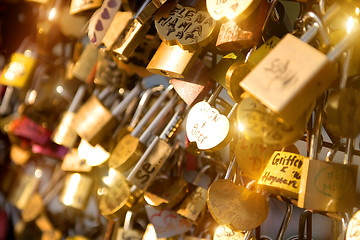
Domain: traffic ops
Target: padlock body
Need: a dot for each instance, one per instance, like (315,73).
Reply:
(192,206)
(78,6)
(64,134)
(327,186)
(172,61)
(18,72)
(86,63)
(76,191)
(290,78)
(93,121)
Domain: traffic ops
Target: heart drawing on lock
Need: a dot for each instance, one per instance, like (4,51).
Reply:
(105,14)
(206,126)
(185,26)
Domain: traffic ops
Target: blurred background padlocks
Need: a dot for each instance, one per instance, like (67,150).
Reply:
(179,119)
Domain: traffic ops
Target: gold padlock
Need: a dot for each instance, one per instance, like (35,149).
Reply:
(282,174)
(77,190)
(94,121)
(86,63)
(64,134)
(172,61)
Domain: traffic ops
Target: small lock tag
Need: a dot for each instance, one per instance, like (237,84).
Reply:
(282,174)
(185,26)
(76,191)
(206,126)
(78,6)
(73,163)
(166,222)
(18,72)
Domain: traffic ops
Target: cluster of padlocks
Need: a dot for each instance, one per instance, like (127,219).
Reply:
(178,119)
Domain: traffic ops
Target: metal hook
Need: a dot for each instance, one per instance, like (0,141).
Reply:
(306,217)
(286,220)
(321,26)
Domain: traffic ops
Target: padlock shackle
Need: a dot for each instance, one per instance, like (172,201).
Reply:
(311,33)
(142,103)
(80,93)
(320,26)
(174,123)
(155,123)
(149,114)
(105,92)
(215,94)
(230,168)
(285,222)
(126,101)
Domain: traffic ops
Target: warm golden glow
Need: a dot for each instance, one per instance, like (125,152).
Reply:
(72,188)
(357,11)
(350,24)
(32,97)
(38,173)
(52,14)
(94,156)
(241,127)
(59,89)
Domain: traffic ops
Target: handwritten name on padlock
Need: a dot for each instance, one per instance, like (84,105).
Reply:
(225,233)
(283,172)
(206,126)
(185,26)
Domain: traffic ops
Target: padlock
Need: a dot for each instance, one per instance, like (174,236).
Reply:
(210,130)
(78,6)
(257,123)
(341,113)
(172,61)
(93,120)
(115,29)
(128,231)
(286,88)
(136,29)
(117,198)
(252,156)
(136,63)
(130,148)
(238,70)
(166,222)
(236,206)
(26,185)
(64,134)
(86,63)
(101,20)
(157,153)
(231,9)
(235,36)
(73,163)
(353,228)
(77,190)
(195,202)
(196,84)
(326,186)
(185,26)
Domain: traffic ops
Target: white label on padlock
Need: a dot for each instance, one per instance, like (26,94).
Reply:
(206,126)
(167,223)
